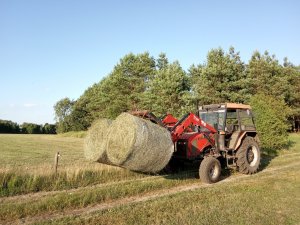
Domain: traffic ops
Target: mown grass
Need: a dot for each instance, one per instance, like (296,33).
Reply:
(27,165)
(35,153)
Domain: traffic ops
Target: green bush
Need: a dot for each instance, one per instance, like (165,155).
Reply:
(271,121)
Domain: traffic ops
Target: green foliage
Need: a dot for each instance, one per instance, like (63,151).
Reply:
(221,79)
(63,109)
(265,75)
(7,126)
(168,90)
(120,91)
(140,82)
(292,97)
(31,128)
(49,128)
(271,116)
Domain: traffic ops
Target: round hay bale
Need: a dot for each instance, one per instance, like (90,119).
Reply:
(95,141)
(138,144)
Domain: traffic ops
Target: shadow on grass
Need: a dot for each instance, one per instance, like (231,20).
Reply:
(181,170)
(187,171)
(268,154)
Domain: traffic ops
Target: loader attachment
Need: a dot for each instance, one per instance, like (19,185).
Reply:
(145,114)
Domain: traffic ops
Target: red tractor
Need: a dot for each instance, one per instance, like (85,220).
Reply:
(217,134)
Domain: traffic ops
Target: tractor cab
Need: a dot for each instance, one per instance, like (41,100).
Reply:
(232,121)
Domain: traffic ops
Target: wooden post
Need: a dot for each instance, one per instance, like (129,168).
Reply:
(57,155)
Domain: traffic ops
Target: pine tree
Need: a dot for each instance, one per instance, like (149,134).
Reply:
(168,90)
(221,79)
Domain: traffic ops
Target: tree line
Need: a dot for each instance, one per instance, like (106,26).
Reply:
(139,81)
(7,126)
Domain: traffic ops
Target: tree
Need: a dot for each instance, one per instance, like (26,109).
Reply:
(7,126)
(138,81)
(130,79)
(221,79)
(49,128)
(292,93)
(120,91)
(271,116)
(265,75)
(162,62)
(31,128)
(168,90)
(63,109)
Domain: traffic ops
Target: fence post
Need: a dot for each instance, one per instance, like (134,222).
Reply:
(57,155)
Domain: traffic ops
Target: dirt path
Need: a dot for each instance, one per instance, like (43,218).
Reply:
(145,197)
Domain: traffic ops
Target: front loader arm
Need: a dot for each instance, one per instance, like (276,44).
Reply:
(185,122)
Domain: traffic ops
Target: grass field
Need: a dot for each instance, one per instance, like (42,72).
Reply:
(91,193)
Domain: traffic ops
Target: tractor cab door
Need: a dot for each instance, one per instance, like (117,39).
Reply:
(232,128)
(246,120)
(238,123)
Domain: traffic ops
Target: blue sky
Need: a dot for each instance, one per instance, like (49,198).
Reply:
(58,48)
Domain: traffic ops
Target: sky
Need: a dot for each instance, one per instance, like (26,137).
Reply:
(51,49)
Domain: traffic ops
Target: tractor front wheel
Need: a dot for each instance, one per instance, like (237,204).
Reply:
(248,156)
(210,170)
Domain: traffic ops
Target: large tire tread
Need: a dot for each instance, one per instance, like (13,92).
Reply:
(242,162)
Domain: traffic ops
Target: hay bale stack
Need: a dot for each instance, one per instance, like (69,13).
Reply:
(95,141)
(138,144)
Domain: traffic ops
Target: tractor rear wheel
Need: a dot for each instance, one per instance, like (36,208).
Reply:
(210,170)
(248,156)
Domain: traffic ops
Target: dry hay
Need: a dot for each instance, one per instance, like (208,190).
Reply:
(138,144)
(95,141)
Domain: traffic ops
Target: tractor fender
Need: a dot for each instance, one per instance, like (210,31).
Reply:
(243,135)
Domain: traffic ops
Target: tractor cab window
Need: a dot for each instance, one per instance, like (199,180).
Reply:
(246,119)
(215,118)
(232,122)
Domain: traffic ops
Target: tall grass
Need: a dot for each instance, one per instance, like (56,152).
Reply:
(16,184)
(27,165)
(76,134)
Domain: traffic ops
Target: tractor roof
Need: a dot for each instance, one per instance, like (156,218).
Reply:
(237,106)
(227,105)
